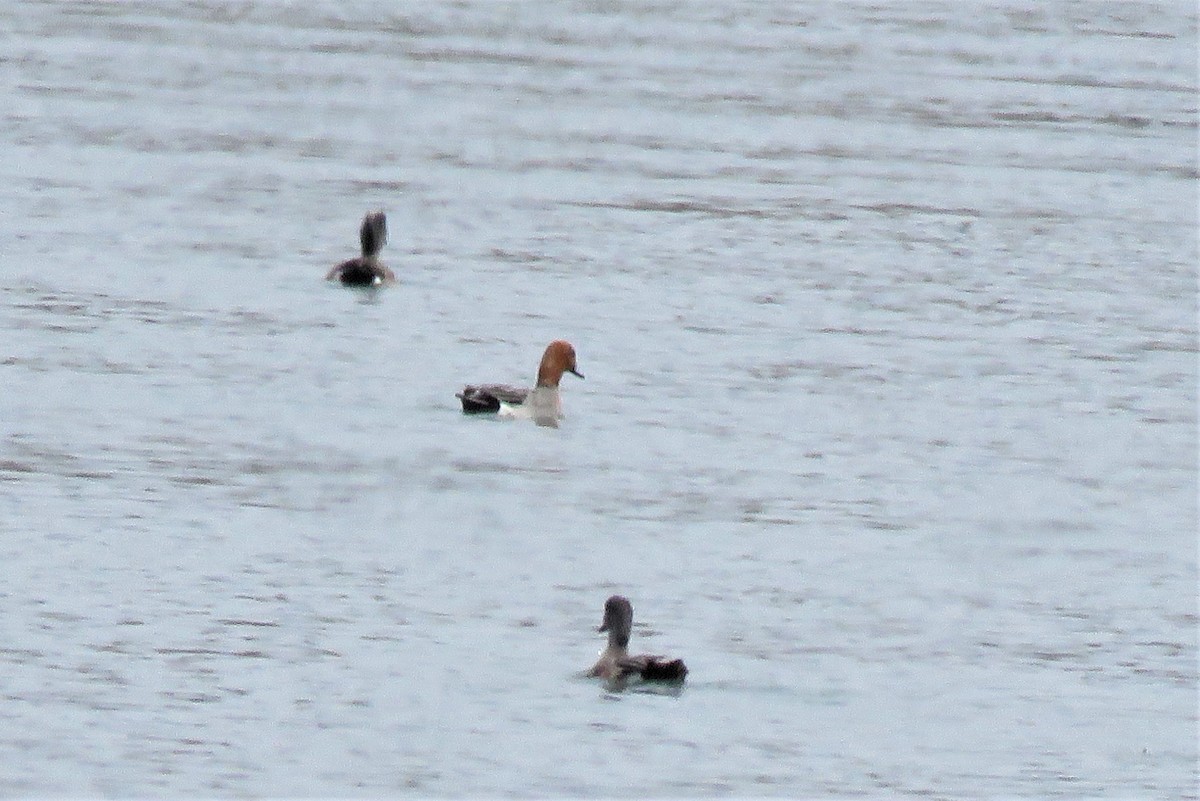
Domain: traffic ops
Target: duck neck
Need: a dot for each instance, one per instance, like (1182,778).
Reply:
(372,235)
(549,375)
(618,641)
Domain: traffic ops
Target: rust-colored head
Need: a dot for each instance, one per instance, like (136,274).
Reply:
(559,358)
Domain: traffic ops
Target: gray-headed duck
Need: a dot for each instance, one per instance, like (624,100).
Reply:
(542,403)
(616,666)
(367,269)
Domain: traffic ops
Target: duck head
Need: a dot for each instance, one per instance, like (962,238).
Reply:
(618,620)
(559,358)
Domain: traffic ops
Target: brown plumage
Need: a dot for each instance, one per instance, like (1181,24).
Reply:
(616,666)
(366,270)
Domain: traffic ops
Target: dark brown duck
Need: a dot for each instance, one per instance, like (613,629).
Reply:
(367,269)
(615,665)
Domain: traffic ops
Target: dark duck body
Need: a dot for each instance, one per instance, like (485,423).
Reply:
(616,666)
(486,398)
(366,270)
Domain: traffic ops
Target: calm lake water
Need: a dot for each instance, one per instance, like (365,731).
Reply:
(888,316)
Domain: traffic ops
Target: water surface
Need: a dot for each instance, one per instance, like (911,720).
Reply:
(888,314)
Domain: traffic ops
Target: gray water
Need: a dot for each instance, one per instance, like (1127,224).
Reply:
(888,317)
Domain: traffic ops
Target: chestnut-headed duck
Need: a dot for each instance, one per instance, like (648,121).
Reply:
(542,403)
(616,666)
(367,269)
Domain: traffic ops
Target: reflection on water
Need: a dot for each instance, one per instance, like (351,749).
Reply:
(889,318)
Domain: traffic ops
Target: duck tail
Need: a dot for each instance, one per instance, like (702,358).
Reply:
(477,400)
(662,670)
(373,233)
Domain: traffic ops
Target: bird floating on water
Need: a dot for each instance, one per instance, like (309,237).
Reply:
(542,403)
(616,666)
(367,269)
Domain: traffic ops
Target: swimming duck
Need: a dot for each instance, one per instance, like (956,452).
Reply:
(366,270)
(542,403)
(615,665)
